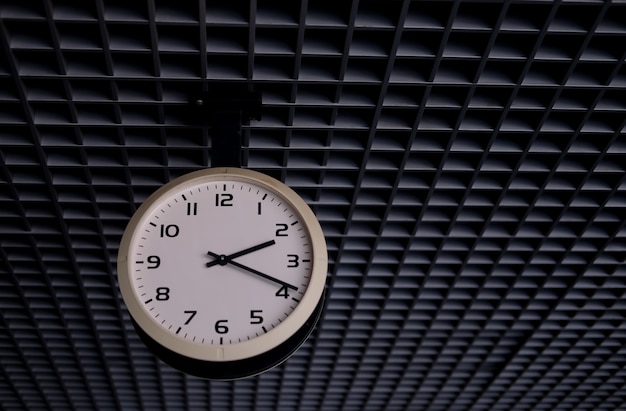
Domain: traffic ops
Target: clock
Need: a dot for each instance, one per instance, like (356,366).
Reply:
(223,272)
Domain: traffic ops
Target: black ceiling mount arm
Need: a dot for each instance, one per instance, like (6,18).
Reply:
(226,139)
(226,108)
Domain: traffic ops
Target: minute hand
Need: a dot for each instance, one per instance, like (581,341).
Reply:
(260,274)
(228,258)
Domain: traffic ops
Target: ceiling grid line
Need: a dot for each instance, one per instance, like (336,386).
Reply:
(38,148)
(22,397)
(384,218)
(558,218)
(74,116)
(494,208)
(73,351)
(111,280)
(333,269)
(251,41)
(437,62)
(154,40)
(378,108)
(472,180)
(341,73)
(511,178)
(295,74)
(567,287)
(202,45)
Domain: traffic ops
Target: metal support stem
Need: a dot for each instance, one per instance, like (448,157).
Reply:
(226,107)
(226,139)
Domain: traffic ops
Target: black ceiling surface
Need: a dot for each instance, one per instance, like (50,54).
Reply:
(466,161)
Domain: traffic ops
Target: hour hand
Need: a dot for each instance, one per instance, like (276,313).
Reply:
(223,259)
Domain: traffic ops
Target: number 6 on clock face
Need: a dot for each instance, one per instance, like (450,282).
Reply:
(223,267)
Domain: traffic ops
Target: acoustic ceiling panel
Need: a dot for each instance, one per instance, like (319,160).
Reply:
(466,160)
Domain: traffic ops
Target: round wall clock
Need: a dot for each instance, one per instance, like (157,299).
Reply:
(223,272)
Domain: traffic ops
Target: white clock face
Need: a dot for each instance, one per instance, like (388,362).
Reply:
(219,261)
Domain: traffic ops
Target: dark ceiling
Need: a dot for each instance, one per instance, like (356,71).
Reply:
(466,161)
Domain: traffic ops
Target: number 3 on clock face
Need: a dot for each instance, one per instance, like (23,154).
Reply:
(223,265)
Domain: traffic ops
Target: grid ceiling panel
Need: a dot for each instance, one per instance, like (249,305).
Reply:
(466,160)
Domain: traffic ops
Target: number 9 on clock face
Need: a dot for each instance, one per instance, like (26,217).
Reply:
(223,265)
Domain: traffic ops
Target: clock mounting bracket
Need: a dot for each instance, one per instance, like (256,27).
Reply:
(225,108)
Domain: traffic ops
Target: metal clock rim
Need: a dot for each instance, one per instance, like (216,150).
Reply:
(246,349)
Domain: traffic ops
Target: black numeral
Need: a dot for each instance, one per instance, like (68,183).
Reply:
(171,230)
(221,327)
(223,200)
(154,260)
(162,294)
(281,230)
(191,315)
(192,208)
(282,292)
(255,316)
(294,260)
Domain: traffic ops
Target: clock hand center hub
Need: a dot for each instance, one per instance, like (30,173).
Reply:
(222,260)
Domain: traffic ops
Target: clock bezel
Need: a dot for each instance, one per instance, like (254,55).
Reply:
(242,350)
